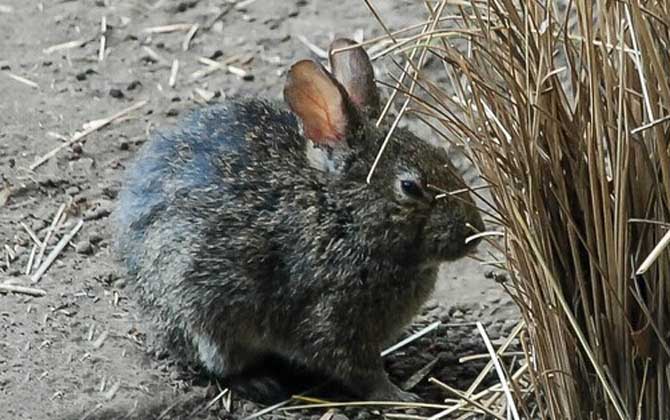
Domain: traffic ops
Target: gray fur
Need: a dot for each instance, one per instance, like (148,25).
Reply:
(242,244)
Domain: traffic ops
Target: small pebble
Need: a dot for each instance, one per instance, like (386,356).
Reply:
(84,247)
(77,148)
(119,283)
(182,7)
(111,192)
(84,74)
(95,238)
(249,408)
(272,23)
(134,85)
(216,54)
(101,209)
(72,191)
(116,93)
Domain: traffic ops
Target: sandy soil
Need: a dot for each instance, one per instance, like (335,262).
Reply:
(82,344)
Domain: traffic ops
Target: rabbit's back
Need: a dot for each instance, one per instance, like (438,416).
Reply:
(207,150)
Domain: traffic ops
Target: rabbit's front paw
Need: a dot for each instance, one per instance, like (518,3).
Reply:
(380,388)
(407,396)
(391,392)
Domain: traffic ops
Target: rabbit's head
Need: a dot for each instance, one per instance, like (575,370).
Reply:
(417,180)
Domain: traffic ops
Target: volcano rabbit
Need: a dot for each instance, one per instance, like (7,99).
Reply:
(251,230)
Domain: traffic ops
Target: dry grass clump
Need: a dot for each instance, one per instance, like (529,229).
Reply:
(567,116)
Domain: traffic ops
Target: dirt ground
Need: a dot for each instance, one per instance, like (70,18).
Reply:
(82,344)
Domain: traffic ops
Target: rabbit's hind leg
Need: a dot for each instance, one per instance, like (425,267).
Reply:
(224,359)
(374,384)
(266,379)
(244,369)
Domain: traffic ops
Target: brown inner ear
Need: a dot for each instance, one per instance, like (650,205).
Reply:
(320,103)
(354,70)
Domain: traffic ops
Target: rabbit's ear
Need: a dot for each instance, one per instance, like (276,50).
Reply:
(354,70)
(320,102)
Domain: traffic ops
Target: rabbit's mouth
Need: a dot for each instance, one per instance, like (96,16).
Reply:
(449,246)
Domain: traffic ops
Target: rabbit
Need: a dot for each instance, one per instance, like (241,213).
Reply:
(250,230)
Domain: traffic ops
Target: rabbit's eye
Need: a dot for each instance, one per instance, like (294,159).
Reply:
(411,188)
